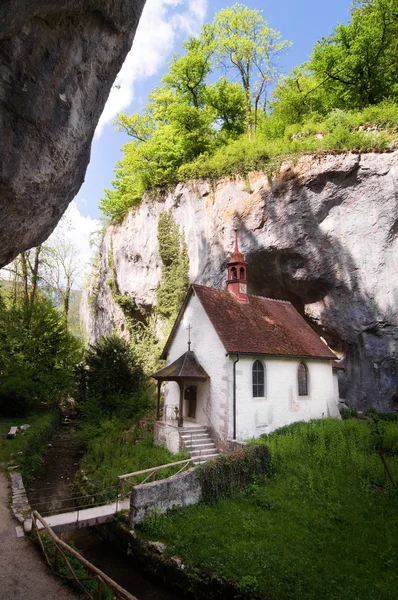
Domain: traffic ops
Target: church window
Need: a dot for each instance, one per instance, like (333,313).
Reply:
(258,373)
(233,273)
(242,273)
(302,379)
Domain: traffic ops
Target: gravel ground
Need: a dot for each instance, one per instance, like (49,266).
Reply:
(23,574)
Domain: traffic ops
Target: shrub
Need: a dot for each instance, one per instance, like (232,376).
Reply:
(232,472)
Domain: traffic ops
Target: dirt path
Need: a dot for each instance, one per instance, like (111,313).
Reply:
(23,574)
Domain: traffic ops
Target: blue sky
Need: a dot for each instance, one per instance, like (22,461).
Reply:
(163,27)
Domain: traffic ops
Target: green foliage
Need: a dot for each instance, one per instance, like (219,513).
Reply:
(37,355)
(232,472)
(192,128)
(174,255)
(349,413)
(245,45)
(20,449)
(373,129)
(322,526)
(357,64)
(35,443)
(187,116)
(108,381)
(112,450)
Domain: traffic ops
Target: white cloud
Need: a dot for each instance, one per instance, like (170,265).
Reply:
(156,35)
(77,230)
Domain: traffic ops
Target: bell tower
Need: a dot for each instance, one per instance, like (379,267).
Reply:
(237,279)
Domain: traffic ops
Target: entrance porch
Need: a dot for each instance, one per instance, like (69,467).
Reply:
(188,374)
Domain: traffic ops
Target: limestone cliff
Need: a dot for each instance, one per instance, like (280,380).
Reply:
(323,234)
(58,60)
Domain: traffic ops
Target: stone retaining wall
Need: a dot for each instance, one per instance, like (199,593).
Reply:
(19,503)
(160,496)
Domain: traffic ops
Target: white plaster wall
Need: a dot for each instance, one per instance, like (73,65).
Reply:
(211,355)
(168,436)
(282,405)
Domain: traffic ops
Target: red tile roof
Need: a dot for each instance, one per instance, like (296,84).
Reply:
(261,326)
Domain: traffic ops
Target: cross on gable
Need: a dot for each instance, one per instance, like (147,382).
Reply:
(189,336)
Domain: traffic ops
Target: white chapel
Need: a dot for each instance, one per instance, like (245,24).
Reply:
(241,365)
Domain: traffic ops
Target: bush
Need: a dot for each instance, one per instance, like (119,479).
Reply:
(37,356)
(109,383)
(232,472)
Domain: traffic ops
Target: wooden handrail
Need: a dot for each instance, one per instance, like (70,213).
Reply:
(174,464)
(112,584)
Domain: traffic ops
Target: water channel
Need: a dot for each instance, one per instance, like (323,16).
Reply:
(51,491)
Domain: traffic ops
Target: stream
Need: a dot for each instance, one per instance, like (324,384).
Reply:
(51,490)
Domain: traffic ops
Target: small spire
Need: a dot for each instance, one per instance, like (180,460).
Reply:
(237,278)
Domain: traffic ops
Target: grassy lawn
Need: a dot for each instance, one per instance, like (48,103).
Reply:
(9,448)
(324,526)
(111,449)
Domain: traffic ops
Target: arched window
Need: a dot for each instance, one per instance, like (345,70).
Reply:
(302,379)
(242,273)
(233,273)
(258,373)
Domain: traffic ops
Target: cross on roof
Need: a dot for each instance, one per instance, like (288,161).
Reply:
(189,336)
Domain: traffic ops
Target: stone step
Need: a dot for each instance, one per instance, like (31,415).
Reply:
(205,458)
(194,436)
(194,431)
(201,444)
(205,452)
(197,440)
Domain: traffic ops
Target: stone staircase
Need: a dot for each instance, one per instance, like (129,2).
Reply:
(198,442)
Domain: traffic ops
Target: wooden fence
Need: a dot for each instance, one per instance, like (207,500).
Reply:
(56,555)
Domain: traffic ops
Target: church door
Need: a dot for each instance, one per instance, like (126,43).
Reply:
(191,397)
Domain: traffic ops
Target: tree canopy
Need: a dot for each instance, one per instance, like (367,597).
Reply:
(216,98)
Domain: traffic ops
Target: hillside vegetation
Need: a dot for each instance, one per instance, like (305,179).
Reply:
(196,125)
(323,525)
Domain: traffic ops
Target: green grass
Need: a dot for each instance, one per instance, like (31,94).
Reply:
(18,449)
(323,526)
(116,450)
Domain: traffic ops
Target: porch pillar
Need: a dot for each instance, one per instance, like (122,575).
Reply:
(181,407)
(158,401)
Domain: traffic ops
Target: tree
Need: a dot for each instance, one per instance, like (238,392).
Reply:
(37,356)
(108,379)
(61,267)
(228,102)
(244,44)
(298,97)
(357,64)
(188,73)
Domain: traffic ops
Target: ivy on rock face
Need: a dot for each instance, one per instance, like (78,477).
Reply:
(145,341)
(174,254)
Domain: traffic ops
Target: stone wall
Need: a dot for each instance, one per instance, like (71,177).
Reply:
(160,496)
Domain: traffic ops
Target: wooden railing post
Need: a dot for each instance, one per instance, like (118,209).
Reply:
(99,588)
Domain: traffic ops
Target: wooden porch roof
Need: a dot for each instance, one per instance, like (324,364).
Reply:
(185,368)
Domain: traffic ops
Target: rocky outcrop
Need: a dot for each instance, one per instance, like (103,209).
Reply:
(58,61)
(323,234)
